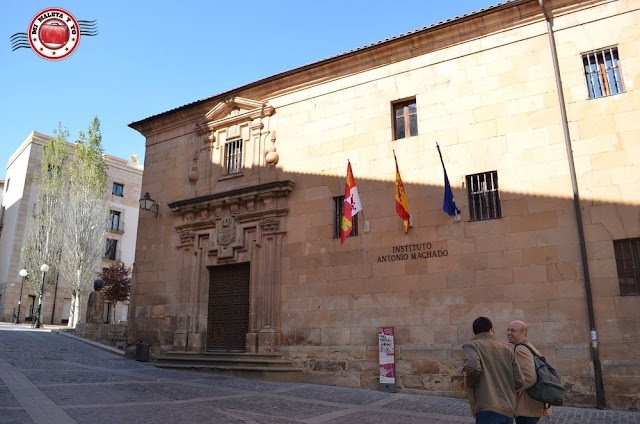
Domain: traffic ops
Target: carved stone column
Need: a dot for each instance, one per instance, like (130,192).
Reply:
(180,337)
(269,335)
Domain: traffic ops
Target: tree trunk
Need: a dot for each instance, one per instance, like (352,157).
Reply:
(75,302)
(72,313)
(115,304)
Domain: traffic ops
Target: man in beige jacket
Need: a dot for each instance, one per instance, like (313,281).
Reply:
(528,411)
(491,375)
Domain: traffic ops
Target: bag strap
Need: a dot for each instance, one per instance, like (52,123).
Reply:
(527,346)
(546,405)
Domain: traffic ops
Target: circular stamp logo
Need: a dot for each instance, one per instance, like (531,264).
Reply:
(54,34)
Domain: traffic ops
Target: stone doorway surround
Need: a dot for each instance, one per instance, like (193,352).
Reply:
(240,225)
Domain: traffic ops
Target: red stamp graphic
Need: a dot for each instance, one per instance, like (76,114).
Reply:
(54,34)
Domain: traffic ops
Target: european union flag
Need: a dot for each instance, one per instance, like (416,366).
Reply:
(449,204)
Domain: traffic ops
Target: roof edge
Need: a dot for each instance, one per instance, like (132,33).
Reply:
(136,125)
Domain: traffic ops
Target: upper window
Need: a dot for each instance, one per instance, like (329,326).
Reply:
(602,70)
(628,264)
(233,157)
(115,224)
(6,186)
(405,119)
(484,198)
(337,218)
(118,189)
(53,170)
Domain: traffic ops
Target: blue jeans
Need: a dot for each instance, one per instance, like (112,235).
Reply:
(527,420)
(490,417)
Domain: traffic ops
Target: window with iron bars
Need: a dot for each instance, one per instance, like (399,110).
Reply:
(337,218)
(484,197)
(233,157)
(628,264)
(602,71)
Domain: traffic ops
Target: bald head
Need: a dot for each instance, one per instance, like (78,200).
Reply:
(517,332)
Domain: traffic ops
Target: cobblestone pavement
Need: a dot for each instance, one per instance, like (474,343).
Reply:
(46,377)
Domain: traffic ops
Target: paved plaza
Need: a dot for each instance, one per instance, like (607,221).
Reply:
(50,378)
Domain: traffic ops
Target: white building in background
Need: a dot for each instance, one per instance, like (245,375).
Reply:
(18,200)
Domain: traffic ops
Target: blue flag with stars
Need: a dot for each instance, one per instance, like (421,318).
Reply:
(449,204)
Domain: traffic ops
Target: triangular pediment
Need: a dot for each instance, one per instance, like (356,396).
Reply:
(233,111)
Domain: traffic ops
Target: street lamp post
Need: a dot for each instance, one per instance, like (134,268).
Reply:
(23,273)
(37,323)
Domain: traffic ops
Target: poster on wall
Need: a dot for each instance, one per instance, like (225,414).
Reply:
(386,352)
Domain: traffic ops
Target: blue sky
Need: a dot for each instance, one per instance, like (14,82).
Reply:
(152,56)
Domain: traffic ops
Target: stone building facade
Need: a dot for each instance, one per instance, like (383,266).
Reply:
(19,197)
(245,255)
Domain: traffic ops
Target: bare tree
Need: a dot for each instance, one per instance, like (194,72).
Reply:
(85,217)
(44,242)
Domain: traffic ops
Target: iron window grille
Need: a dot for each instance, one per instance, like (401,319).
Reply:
(627,253)
(602,71)
(484,197)
(233,157)
(337,218)
(118,189)
(405,119)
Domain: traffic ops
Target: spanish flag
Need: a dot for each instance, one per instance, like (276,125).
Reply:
(402,207)
(351,205)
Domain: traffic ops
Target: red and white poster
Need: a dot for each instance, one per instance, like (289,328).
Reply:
(386,355)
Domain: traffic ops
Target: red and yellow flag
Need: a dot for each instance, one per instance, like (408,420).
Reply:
(351,205)
(402,207)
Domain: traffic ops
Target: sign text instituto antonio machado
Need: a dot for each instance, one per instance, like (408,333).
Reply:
(408,252)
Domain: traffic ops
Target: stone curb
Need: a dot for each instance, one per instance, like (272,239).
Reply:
(91,342)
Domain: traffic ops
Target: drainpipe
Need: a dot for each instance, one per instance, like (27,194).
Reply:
(597,367)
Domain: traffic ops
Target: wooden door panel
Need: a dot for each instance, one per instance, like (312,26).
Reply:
(228,321)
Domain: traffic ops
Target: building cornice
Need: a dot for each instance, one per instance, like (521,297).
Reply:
(270,189)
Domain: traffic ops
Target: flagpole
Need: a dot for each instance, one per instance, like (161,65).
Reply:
(361,210)
(456,215)
(440,153)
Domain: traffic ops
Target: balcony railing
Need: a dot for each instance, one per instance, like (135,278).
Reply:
(115,226)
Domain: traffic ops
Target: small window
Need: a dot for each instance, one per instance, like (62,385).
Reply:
(118,189)
(233,157)
(114,221)
(110,252)
(602,71)
(405,119)
(484,198)
(337,219)
(53,170)
(6,187)
(628,264)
